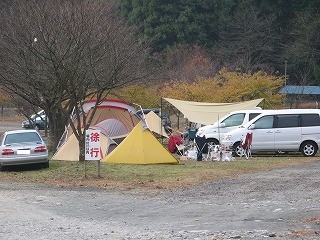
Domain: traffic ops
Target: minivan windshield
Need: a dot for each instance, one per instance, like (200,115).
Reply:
(234,120)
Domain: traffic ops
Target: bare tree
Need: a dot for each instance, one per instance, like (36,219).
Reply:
(303,50)
(300,97)
(248,40)
(188,62)
(55,54)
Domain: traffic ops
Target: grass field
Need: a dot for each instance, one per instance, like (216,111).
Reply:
(147,177)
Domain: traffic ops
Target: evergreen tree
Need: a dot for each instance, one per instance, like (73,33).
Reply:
(173,22)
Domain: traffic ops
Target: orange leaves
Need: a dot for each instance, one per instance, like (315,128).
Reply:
(200,90)
(143,95)
(224,87)
(228,87)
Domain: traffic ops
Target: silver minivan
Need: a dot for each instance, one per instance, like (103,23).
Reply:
(288,130)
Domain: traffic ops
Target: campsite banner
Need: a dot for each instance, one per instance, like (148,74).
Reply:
(93,145)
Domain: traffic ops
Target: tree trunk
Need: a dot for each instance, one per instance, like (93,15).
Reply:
(82,148)
(56,129)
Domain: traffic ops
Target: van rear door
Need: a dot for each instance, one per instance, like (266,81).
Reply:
(310,124)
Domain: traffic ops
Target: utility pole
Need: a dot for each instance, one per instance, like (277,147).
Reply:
(285,81)
(285,72)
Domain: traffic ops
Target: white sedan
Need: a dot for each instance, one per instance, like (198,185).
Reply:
(23,147)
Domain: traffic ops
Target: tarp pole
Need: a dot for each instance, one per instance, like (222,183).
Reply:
(161,119)
(219,130)
(143,116)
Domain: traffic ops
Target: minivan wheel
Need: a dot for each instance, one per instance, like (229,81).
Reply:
(212,141)
(237,150)
(309,149)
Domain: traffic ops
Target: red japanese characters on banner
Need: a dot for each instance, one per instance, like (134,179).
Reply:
(93,145)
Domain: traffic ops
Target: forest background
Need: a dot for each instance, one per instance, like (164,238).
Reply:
(243,34)
(196,39)
(207,48)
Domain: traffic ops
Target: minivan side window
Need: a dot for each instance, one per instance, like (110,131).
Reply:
(253,115)
(264,122)
(287,121)
(309,120)
(234,120)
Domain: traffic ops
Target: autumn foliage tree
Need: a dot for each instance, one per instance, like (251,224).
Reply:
(229,87)
(226,86)
(145,97)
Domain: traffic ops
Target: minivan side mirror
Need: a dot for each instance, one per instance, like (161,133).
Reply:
(222,125)
(251,126)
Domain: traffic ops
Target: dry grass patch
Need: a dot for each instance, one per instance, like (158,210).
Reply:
(10,115)
(16,118)
(148,177)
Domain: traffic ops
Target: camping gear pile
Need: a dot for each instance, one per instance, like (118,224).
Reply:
(130,138)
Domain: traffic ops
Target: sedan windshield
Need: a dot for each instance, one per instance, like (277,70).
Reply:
(22,137)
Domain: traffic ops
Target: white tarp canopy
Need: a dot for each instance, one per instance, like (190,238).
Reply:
(209,113)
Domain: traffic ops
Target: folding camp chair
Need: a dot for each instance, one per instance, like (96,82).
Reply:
(192,134)
(214,152)
(175,144)
(180,149)
(246,145)
(201,146)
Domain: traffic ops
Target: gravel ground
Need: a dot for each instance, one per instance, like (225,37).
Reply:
(278,204)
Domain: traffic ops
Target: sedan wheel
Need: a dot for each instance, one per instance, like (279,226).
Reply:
(309,149)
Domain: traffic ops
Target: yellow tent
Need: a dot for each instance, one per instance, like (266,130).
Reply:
(140,147)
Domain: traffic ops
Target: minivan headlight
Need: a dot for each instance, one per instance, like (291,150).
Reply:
(200,133)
